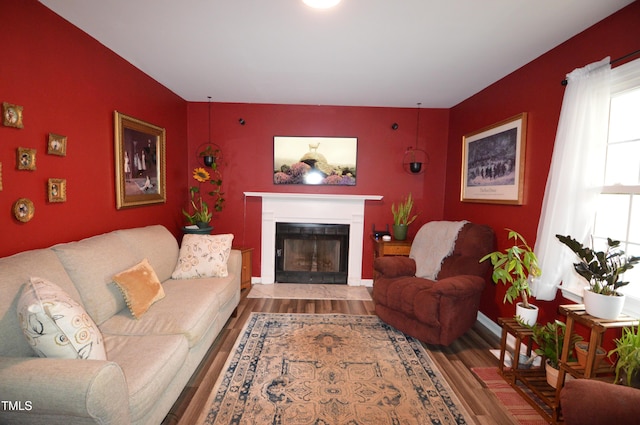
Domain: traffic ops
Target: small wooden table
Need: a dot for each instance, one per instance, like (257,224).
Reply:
(389,248)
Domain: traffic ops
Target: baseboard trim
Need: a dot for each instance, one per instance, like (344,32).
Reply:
(490,324)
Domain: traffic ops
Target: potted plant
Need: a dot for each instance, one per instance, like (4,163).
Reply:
(602,270)
(628,352)
(550,339)
(402,217)
(199,212)
(513,267)
(209,155)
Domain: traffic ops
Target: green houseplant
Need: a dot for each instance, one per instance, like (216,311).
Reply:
(628,353)
(550,339)
(602,271)
(199,212)
(513,267)
(402,217)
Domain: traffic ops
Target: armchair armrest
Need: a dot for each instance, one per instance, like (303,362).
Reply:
(59,388)
(458,286)
(588,401)
(390,267)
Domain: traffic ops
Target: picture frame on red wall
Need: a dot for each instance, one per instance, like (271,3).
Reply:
(57,144)
(140,162)
(493,163)
(57,190)
(12,115)
(26,159)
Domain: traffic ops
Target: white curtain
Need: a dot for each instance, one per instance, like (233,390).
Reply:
(576,174)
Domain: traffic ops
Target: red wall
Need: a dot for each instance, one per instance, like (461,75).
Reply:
(535,89)
(70,84)
(248,160)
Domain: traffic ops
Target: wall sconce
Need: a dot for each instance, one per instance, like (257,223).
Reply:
(415,160)
(394,126)
(242,121)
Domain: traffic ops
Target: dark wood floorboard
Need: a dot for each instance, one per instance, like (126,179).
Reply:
(455,361)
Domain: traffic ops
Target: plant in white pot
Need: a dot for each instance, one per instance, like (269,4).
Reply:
(603,271)
(402,217)
(513,267)
(550,339)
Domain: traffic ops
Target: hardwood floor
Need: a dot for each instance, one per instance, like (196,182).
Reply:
(455,361)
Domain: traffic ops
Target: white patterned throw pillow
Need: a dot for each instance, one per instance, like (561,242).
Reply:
(203,256)
(55,325)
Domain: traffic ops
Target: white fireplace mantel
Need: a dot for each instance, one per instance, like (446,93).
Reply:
(312,208)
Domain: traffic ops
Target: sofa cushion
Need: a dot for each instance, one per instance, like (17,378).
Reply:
(203,256)
(14,272)
(91,264)
(156,244)
(149,364)
(140,287)
(55,325)
(189,308)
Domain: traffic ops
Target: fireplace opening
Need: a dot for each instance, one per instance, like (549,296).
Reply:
(311,253)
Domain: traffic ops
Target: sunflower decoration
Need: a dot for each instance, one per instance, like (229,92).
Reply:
(201,214)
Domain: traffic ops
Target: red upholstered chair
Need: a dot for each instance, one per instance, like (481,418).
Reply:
(591,402)
(439,310)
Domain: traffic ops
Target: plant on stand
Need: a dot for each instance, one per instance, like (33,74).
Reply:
(550,339)
(199,212)
(402,217)
(602,270)
(513,267)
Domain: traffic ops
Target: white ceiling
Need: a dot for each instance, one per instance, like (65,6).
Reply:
(361,53)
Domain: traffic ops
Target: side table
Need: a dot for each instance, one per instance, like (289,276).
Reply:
(247,262)
(390,248)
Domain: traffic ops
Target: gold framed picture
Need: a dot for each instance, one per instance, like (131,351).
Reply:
(493,163)
(12,115)
(57,144)
(26,159)
(57,190)
(23,209)
(139,161)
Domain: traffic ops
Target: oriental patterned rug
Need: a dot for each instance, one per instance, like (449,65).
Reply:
(329,369)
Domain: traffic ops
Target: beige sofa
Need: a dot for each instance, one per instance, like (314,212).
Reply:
(149,360)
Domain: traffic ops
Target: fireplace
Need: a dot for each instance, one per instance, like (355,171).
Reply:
(311,253)
(312,208)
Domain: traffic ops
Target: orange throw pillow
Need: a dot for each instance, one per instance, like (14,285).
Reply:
(140,287)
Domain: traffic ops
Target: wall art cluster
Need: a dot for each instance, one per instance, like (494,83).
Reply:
(56,188)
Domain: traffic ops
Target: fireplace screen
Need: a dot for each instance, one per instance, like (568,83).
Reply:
(311,253)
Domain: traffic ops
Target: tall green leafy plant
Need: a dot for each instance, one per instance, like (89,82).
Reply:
(628,352)
(402,213)
(513,267)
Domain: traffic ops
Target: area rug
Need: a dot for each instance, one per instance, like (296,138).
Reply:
(515,404)
(329,369)
(306,291)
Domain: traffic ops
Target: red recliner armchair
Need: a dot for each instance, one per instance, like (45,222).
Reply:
(438,310)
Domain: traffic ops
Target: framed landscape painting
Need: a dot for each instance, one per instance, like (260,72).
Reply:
(493,163)
(315,160)
(139,161)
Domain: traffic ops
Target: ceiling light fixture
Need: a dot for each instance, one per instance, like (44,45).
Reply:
(321,4)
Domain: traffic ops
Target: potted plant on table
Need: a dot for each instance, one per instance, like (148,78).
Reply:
(628,352)
(550,340)
(513,267)
(602,270)
(402,217)
(199,212)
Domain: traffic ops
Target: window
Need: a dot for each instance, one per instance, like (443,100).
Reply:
(618,211)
